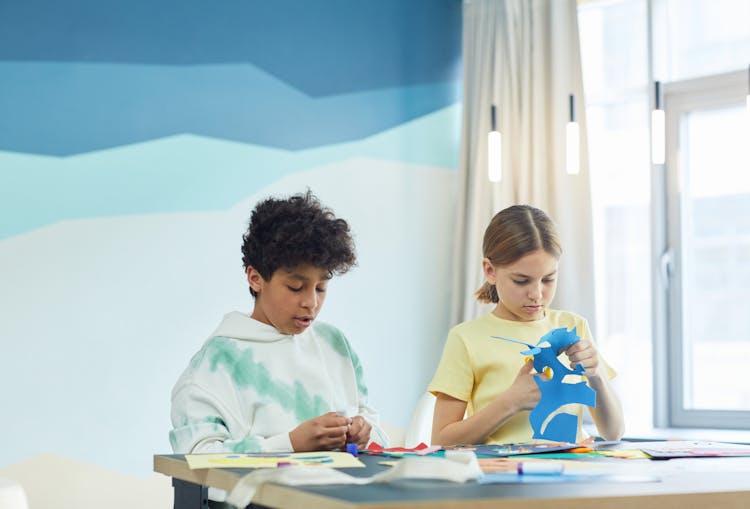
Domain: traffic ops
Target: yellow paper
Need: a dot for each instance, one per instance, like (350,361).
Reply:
(267,460)
(630,454)
(388,463)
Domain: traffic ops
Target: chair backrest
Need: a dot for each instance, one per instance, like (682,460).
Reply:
(64,483)
(12,495)
(420,426)
(395,434)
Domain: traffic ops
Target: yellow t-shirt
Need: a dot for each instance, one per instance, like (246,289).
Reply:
(475,367)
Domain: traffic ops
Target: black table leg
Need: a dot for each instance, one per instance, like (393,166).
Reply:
(188,495)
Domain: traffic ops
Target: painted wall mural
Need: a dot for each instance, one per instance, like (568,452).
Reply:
(135,140)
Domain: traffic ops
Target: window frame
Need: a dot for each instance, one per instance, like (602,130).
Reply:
(697,94)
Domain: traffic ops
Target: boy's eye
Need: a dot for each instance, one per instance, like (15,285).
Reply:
(292,288)
(320,289)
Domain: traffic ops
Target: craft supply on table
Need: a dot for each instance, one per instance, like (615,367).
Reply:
(541,467)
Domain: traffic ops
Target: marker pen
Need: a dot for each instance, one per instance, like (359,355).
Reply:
(540,467)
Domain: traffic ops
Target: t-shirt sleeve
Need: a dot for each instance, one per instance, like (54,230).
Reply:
(454,376)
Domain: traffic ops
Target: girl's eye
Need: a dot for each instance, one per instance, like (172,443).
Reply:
(520,283)
(549,281)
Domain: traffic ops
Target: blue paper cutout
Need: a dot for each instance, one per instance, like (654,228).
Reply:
(533,350)
(562,427)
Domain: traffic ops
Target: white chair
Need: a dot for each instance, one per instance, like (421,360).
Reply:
(420,426)
(395,434)
(63,483)
(12,495)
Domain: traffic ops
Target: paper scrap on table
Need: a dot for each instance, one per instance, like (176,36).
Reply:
(510,478)
(459,467)
(691,449)
(333,459)
(420,450)
(388,463)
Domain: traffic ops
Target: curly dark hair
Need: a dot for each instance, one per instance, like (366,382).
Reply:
(286,233)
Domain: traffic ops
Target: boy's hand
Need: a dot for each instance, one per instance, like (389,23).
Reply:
(359,432)
(322,433)
(584,353)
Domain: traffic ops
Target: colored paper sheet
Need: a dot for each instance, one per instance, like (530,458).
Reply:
(627,454)
(331,459)
(388,463)
(489,450)
(508,478)
(399,452)
(691,449)
(375,448)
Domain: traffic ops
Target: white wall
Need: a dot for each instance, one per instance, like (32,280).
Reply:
(99,316)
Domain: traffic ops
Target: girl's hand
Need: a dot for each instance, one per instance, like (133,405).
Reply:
(524,391)
(584,353)
(359,432)
(322,433)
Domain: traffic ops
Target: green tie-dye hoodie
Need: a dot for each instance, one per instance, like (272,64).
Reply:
(250,385)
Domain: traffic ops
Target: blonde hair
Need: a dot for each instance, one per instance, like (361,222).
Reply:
(513,233)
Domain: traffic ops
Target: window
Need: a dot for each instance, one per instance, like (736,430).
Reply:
(708,232)
(694,38)
(672,243)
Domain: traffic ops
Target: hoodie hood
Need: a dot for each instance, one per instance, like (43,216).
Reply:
(241,326)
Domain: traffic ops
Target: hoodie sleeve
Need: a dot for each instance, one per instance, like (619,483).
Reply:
(201,424)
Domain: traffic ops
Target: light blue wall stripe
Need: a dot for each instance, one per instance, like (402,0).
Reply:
(190,173)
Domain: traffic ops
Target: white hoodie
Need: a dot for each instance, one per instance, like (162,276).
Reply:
(250,385)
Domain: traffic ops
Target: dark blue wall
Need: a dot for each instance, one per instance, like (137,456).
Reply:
(80,75)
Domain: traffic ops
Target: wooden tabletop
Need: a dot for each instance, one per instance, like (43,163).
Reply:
(700,483)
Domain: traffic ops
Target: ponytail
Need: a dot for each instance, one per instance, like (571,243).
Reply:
(487,294)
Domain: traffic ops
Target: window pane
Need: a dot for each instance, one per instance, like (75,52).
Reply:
(716,259)
(614,52)
(700,37)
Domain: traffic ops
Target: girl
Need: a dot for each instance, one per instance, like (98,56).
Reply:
(486,380)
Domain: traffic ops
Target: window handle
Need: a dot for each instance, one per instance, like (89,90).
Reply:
(666,267)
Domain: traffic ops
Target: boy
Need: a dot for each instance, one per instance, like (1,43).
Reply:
(277,380)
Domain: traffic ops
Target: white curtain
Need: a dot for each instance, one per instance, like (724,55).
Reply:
(523,56)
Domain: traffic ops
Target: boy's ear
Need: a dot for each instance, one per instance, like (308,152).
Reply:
(254,279)
(489,271)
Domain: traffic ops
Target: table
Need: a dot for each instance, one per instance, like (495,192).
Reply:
(700,483)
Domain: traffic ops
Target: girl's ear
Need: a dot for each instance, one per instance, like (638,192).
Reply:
(489,271)
(254,279)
